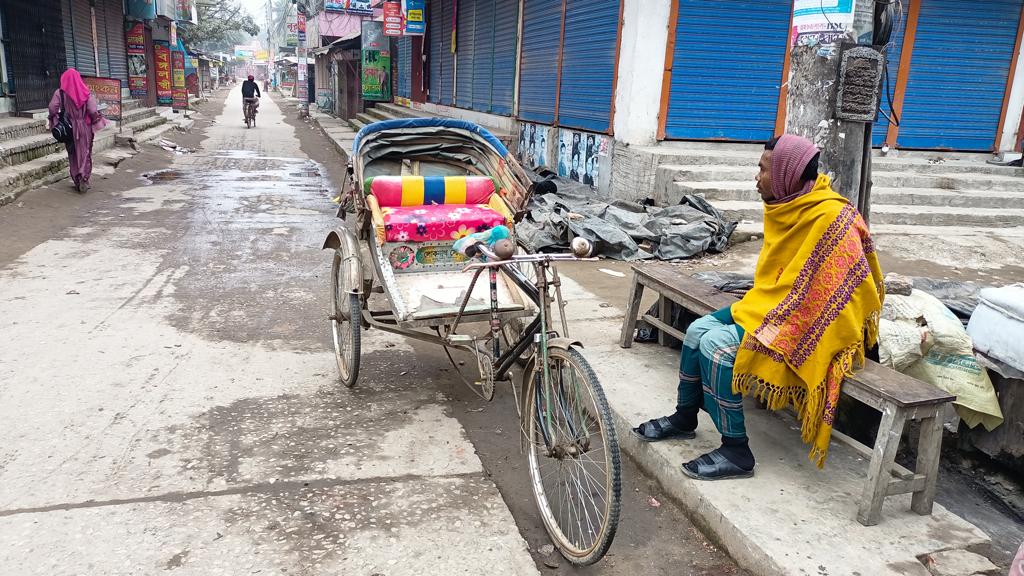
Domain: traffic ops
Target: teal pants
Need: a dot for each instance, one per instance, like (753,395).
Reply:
(705,372)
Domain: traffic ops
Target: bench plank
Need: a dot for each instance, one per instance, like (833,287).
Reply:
(702,298)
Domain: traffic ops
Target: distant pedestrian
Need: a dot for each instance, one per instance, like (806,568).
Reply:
(80,110)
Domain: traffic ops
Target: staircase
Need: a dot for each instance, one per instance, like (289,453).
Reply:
(30,158)
(916,188)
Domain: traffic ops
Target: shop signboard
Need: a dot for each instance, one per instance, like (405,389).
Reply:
(107,92)
(357,7)
(138,80)
(415,21)
(393,18)
(300,22)
(179,100)
(164,87)
(376,59)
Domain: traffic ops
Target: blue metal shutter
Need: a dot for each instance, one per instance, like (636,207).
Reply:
(588,64)
(506,31)
(962,57)
(464,45)
(727,69)
(893,52)
(442,61)
(447,58)
(538,64)
(404,67)
(483,56)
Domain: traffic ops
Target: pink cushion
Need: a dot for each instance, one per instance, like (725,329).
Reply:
(437,222)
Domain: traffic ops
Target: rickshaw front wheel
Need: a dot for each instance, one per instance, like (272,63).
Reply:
(346,314)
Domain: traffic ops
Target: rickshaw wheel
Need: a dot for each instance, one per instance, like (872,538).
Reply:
(573,457)
(345,306)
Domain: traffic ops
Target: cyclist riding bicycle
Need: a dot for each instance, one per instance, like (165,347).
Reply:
(250,93)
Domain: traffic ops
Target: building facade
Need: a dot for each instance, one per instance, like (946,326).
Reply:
(578,81)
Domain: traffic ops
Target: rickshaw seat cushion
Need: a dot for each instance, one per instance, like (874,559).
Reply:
(393,191)
(437,222)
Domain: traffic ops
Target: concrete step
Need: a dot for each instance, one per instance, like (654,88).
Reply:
(145,123)
(366,118)
(17,179)
(154,132)
(399,111)
(129,116)
(132,104)
(356,124)
(38,113)
(12,128)
(378,113)
(898,196)
(901,215)
(28,148)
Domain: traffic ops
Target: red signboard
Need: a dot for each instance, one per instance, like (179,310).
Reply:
(138,81)
(393,21)
(107,91)
(164,88)
(179,99)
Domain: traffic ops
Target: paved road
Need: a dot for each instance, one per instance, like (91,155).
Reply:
(169,399)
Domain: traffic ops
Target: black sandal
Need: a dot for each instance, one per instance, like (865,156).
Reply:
(714,466)
(661,429)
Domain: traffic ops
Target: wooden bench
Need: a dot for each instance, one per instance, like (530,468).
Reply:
(897,396)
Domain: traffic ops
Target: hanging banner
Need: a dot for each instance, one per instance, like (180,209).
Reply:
(393,21)
(135,41)
(173,34)
(300,23)
(141,9)
(376,78)
(357,7)
(107,92)
(179,95)
(292,36)
(164,87)
(415,23)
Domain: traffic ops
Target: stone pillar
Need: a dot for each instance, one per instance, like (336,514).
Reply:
(640,71)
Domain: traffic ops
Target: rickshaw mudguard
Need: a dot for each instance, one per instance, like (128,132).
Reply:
(563,343)
(344,240)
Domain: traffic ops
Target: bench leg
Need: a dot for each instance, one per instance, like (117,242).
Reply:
(882,458)
(665,315)
(929,447)
(636,293)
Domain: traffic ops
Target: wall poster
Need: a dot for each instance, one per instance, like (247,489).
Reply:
(179,97)
(164,88)
(820,22)
(578,154)
(376,51)
(533,144)
(138,80)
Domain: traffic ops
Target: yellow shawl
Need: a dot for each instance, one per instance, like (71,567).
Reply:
(816,298)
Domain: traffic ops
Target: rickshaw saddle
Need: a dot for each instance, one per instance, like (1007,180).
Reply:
(433,208)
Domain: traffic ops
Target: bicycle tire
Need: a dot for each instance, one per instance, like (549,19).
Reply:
(553,522)
(347,334)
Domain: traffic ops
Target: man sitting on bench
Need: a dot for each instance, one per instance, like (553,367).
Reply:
(797,333)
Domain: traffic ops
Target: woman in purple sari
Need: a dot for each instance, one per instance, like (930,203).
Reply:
(80,111)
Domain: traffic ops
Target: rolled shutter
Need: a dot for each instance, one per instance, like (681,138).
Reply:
(117,55)
(84,56)
(404,67)
(483,56)
(588,65)
(722,89)
(538,64)
(958,71)
(448,59)
(506,30)
(435,43)
(464,32)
